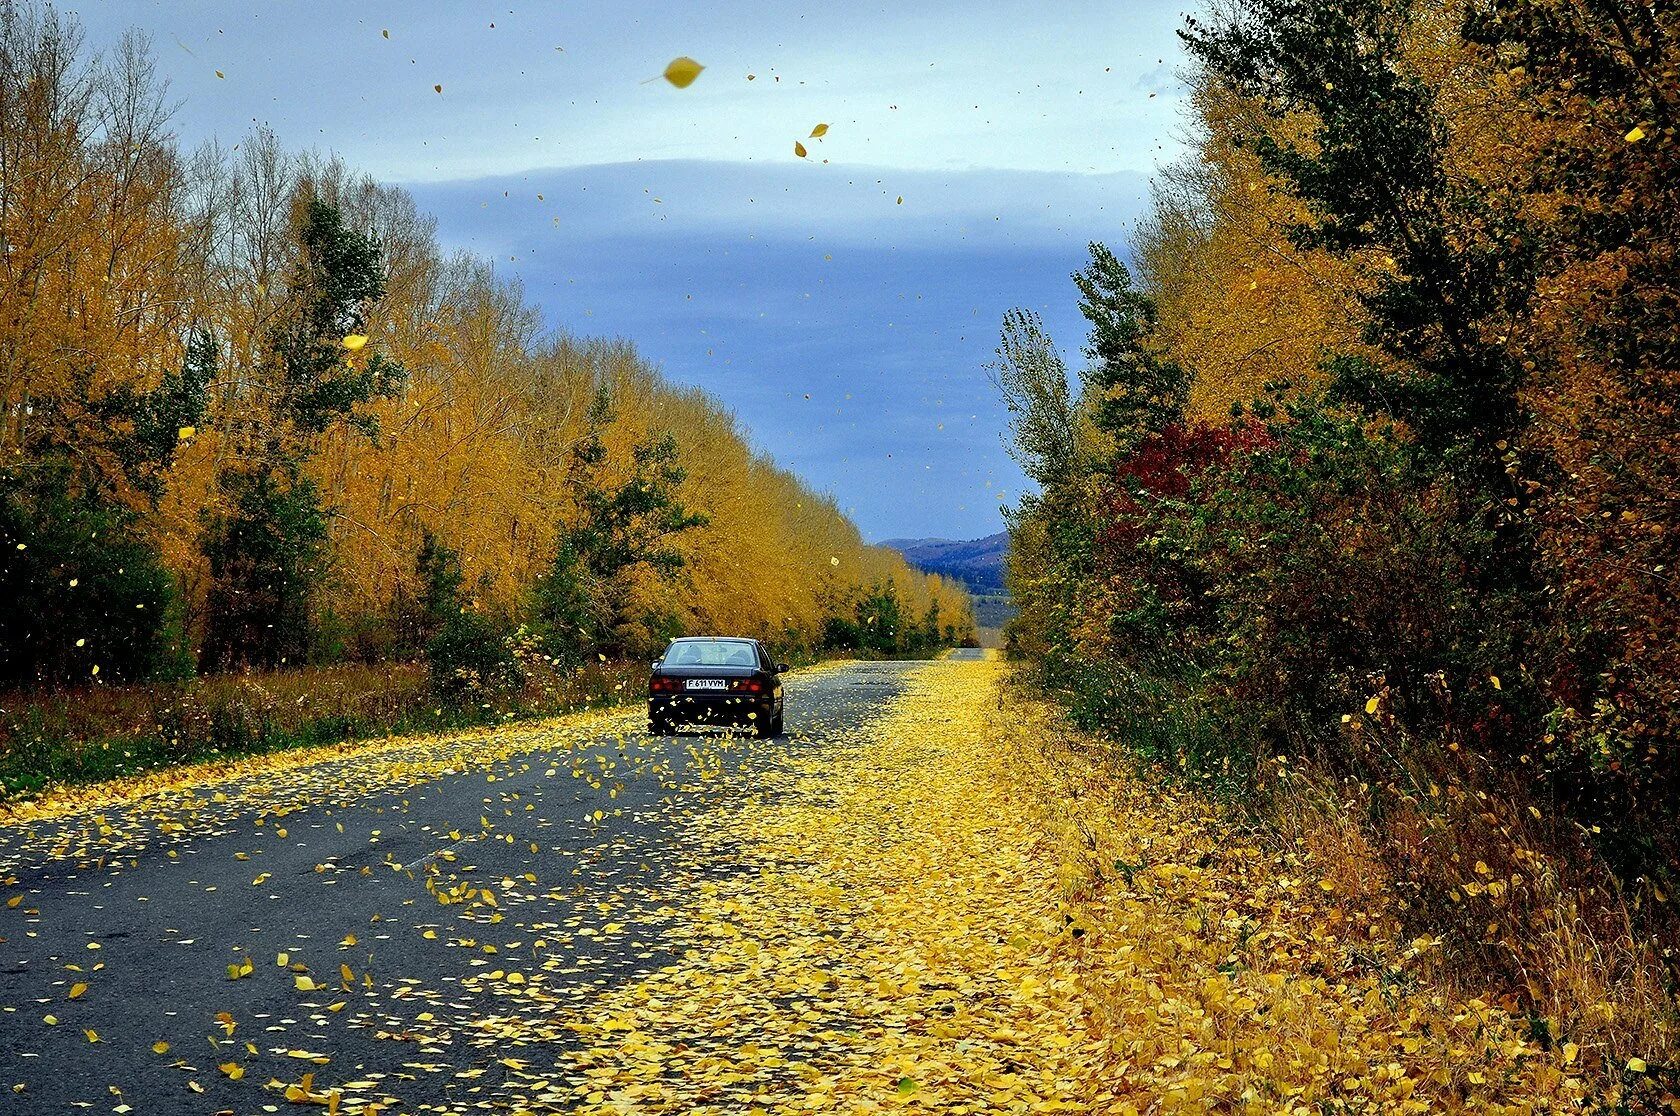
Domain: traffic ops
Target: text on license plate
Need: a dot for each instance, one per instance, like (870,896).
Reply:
(707,684)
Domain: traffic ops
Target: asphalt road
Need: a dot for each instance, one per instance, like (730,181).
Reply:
(400,886)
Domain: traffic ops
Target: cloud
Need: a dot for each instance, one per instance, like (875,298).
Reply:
(765,285)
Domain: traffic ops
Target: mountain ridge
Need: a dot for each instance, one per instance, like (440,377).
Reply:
(977,563)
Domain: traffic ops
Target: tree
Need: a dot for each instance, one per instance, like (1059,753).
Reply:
(1452,257)
(1030,375)
(1131,390)
(620,527)
(266,551)
(266,555)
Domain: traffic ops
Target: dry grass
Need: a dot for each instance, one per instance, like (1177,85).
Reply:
(1437,907)
(92,733)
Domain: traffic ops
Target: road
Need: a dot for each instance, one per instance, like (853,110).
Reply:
(352,919)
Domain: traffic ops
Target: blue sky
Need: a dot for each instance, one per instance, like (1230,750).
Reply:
(683,221)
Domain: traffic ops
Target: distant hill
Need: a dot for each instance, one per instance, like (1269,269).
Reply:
(977,563)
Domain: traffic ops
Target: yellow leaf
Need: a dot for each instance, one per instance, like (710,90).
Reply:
(233,1069)
(1371,705)
(819,131)
(221,75)
(799,149)
(1570,1050)
(355,341)
(92,1035)
(304,984)
(186,432)
(682,72)
(1635,136)
(1636,1065)
(160,1047)
(348,940)
(76,990)
(1494,678)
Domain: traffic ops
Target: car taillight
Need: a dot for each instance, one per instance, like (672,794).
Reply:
(750,685)
(662,685)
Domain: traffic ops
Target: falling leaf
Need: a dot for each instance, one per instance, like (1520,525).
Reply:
(221,75)
(819,131)
(682,72)
(799,149)
(437,89)
(355,341)
(186,432)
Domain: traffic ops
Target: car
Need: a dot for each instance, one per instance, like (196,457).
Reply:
(715,680)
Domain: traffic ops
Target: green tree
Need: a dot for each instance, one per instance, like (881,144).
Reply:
(1372,170)
(266,555)
(1131,390)
(621,526)
(1030,375)
(82,585)
(267,550)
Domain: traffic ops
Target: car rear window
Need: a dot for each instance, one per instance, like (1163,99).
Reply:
(711,653)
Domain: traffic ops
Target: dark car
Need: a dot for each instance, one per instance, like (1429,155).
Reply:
(716,680)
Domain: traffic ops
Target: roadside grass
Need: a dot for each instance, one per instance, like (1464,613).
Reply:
(1443,881)
(66,737)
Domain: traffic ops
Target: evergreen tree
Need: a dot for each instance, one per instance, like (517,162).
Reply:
(620,527)
(267,550)
(1132,391)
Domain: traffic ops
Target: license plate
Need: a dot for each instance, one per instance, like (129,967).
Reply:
(707,684)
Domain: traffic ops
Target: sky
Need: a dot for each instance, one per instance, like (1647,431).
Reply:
(843,305)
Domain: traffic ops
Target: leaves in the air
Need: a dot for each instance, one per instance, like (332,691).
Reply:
(819,131)
(682,71)
(799,149)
